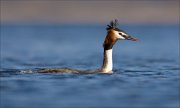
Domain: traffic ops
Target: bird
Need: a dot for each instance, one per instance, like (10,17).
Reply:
(113,35)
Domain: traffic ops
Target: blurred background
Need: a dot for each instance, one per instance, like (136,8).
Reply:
(70,33)
(127,11)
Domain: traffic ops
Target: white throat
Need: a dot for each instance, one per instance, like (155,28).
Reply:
(107,62)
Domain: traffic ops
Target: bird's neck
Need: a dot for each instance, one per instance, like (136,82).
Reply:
(107,61)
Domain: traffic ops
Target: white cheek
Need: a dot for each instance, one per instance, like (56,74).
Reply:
(119,36)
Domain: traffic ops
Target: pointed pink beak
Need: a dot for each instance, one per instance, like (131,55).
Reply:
(132,38)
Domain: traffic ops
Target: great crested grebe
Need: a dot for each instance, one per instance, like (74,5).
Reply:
(113,34)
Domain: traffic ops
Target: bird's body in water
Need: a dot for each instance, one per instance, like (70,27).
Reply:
(113,35)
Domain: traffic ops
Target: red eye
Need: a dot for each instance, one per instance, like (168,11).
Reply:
(120,33)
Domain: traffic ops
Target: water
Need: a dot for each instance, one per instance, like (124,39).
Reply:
(146,73)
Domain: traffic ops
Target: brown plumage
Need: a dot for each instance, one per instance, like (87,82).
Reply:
(110,39)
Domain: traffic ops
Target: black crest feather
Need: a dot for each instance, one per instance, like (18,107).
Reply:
(112,25)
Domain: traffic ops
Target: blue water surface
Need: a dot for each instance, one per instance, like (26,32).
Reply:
(146,73)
